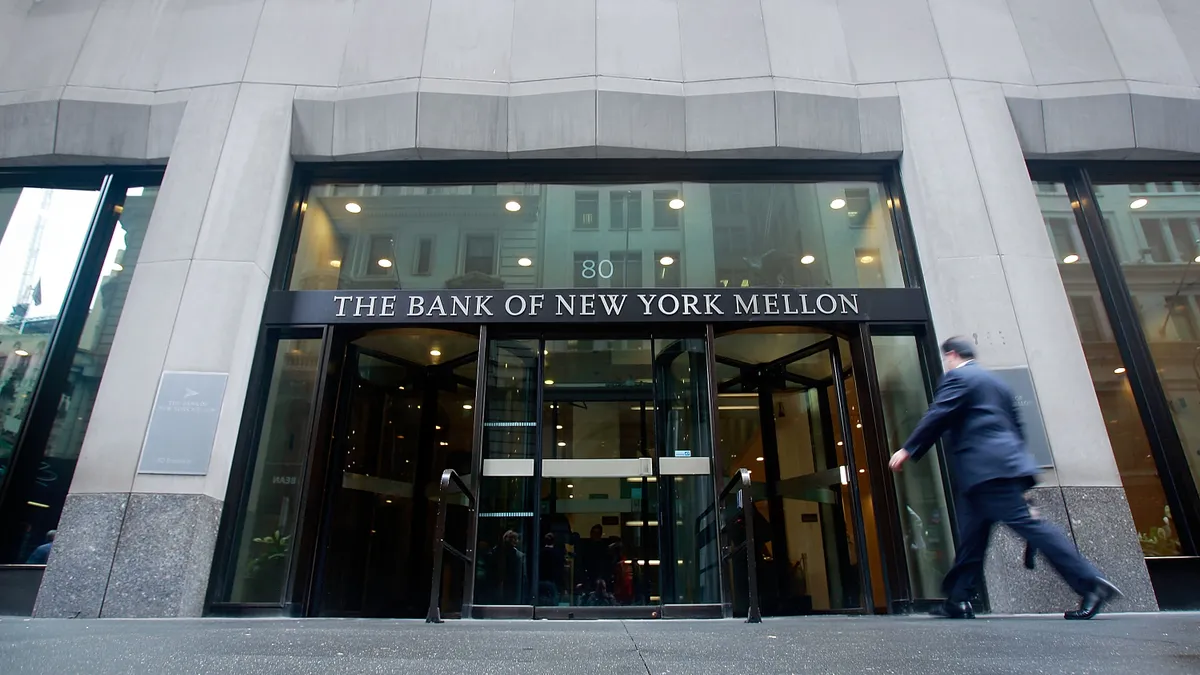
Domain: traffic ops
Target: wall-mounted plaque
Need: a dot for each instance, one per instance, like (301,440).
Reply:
(183,425)
(1021,382)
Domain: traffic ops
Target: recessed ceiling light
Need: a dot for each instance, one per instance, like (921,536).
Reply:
(353,207)
(524,262)
(1139,203)
(1196,259)
(839,443)
(1120,370)
(444,443)
(838,203)
(562,444)
(1071,259)
(807,260)
(666,261)
(466,406)
(384,263)
(513,205)
(116,267)
(559,427)
(862,470)
(570,486)
(676,203)
(335,263)
(549,382)
(758,459)
(20,352)
(435,352)
(867,259)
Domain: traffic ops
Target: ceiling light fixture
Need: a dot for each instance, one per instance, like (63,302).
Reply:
(1071,259)
(116,267)
(466,406)
(758,459)
(335,263)
(549,382)
(513,205)
(384,263)
(20,352)
(867,259)
(562,444)
(838,203)
(1119,371)
(435,352)
(666,261)
(675,203)
(524,262)
(807,260)
(1139,203)
(353,207)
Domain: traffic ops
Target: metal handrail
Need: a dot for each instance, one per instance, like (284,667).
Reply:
(450,480)
(741,481)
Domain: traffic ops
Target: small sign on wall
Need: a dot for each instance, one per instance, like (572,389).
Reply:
(1025,398)
(183,425)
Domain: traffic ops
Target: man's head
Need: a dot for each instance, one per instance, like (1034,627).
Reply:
(956,351)
(597,533)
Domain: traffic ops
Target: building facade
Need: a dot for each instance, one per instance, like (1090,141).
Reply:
(270,268)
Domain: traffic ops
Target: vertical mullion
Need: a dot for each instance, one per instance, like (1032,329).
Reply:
(52,380)
(1134,348)
(536,488)
(717,467)
(860,534)
(481,380)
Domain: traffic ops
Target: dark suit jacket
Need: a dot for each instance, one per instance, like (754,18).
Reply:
(973,410)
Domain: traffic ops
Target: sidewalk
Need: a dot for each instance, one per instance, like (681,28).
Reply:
(1128,643)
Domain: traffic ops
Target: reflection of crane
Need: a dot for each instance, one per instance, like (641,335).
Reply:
(28,291)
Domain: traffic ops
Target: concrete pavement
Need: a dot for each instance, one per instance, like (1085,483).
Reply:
(1129,643)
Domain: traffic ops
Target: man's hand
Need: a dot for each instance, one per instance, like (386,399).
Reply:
(898,459)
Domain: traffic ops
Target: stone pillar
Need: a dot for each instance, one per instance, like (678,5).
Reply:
(133,544)
(991,275)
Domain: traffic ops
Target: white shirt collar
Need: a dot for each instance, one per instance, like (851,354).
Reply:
(964,363)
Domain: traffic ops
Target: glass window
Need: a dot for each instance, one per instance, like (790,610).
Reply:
(42,233)
(423,264)
(924,518)
(627,269)
(268,521)
(587,210)
(480,256)
(761,235)
(625,209)
(1142,247)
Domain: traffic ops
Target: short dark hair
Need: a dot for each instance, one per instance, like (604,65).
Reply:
(959,345)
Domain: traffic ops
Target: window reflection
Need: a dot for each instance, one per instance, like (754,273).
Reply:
(1154,231)
(42,232)
(564,236)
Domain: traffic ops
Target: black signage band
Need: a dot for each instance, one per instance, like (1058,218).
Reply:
(599,305)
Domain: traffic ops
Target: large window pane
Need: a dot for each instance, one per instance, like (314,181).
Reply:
(675,235)
(924,518)
(268,524)
(42,232)
(1154,255)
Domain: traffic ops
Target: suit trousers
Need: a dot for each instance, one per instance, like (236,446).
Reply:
(1003,501)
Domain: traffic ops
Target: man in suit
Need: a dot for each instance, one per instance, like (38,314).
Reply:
(991,470)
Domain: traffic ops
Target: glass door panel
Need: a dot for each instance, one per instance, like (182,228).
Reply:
(503,566)
(686,468)
(599,504)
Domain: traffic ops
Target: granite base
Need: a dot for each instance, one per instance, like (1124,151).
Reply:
(131,555)
(1098,520)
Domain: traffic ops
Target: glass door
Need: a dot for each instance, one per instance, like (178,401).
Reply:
(785,413)
(403,417)
(597,467)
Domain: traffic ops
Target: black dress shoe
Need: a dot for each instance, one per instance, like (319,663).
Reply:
(1091,602)
(953,610)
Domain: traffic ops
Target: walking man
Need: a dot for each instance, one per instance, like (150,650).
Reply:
(991,471)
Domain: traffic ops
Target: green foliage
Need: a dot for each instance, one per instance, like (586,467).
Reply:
(1160,541)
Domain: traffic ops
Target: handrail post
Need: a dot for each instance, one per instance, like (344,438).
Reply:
(435,588)
(450,480)
(753,613)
